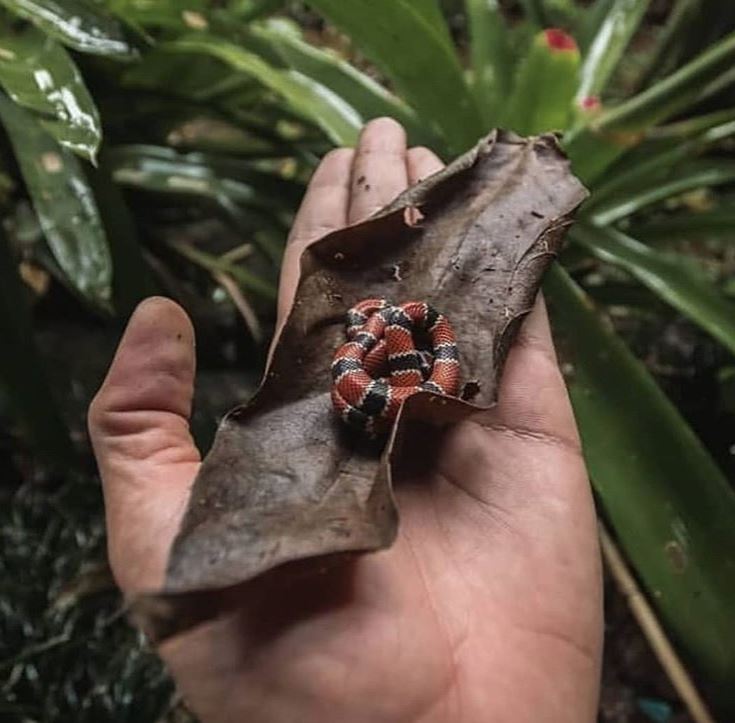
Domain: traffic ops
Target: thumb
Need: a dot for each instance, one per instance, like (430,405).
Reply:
(139,427)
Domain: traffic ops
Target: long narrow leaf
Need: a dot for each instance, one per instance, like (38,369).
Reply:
(324,108)
(248,198)
(84,26)
(591,20)
(535,12)
(608,46)
(21,371)
(637,176)
(365,95)
(670,505)
(179,15)
(669,46)
(257,9)
(492,58)
(717,224)
(684,129)
(609,134)
(699,78)
(694,176)
(38,74)
(404,39)
(64,203)
(671,276)
(132,281)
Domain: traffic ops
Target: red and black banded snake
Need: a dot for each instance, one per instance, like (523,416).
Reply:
(392,352)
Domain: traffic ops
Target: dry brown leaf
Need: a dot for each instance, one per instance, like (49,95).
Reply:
(285,480)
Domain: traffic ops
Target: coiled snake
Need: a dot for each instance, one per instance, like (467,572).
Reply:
(392,352)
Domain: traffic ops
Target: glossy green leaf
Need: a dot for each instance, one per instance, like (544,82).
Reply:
(547,79)
(492,57)
(718,224)
(408,44)
(21,371)
(319,104)
(695,175)
(608,46)
(80,24)
(671,276)
(670,506)
(360,91)
(38,74)
(64,204)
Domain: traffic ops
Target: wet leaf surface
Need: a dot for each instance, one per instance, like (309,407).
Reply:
(285,480)
(38,74)
(81,25)
(64,203)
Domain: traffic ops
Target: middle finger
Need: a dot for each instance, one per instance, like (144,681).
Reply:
(379,171)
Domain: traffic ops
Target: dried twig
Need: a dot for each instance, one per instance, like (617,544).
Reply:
(651,628)
(243,306)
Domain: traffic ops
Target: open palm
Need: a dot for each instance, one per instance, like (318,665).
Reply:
(487,607)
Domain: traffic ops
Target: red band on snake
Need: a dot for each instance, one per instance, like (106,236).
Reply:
(392,352)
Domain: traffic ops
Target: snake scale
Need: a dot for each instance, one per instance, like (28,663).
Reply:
(392,352)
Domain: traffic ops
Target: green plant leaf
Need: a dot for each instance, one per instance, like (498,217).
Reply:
(246,196)
(639,175)
(612,132)
(697,174)
(168,14)
(535,12)
(165,168)
(670,44)
(132,281)
(701,77)
(608,46)
(313,101)
(21,371)
(547,79)
(84,26)
(365,95)
(253,9)
(673,277)
(670,506)
(684,129)
(718,224)
(38,74)
(590,23)
(492,58)
(64,203)
(410,46)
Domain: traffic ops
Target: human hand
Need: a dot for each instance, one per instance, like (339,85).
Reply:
(488,605)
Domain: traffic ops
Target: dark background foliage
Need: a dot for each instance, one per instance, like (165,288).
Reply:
(205,120)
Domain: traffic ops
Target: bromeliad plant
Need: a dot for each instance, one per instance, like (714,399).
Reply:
(225,108)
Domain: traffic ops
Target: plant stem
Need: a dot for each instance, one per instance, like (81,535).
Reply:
(652,630)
